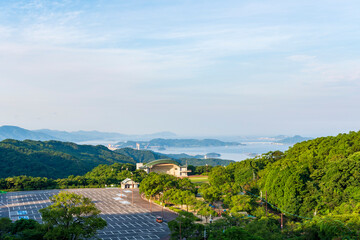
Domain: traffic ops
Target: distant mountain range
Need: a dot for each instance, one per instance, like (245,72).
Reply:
(13,132)
(160,139)
(17,133)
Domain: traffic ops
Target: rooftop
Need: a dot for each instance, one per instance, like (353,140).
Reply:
(161,161)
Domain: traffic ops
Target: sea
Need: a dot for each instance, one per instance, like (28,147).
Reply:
(236,153)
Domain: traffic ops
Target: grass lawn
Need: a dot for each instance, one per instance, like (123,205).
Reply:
(199,179)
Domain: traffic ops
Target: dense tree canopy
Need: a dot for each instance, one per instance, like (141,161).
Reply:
(53,158)
(98,177)
(316,175)
(71,216)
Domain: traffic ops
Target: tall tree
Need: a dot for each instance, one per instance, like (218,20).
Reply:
(71,216)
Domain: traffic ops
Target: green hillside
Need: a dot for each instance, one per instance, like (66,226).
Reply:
(53,158)
(140,155)
(313,177)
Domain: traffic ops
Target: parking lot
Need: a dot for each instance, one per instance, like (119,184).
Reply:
(125,221)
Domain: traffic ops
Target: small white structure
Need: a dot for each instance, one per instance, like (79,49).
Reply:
(128,183)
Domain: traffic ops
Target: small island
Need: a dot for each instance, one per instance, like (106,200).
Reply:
(293,140)
(212,155)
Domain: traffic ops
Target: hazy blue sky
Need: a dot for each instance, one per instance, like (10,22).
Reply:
(191,67)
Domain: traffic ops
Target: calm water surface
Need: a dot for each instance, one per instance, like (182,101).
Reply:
(237,153)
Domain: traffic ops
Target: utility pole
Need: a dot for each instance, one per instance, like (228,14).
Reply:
(180,230)
(150,203)
(162,210)
(282,221)
(132,195)
(132,192)
(266,207)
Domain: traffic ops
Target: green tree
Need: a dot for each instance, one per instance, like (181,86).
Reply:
(210,193)
(23,229)
(219,176)
(265,227)
(5,227)
(187,226)
(232,233)
(205,211)
(28,229)
(71,216)
(241,203)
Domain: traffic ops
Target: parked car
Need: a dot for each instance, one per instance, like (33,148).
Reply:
(159,219)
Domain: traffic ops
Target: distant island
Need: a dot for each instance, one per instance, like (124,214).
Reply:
(212,155)
(293,140)
(162,143)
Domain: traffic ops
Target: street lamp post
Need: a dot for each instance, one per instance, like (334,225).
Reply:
(150,203)
(121,191)
(162,211)
(162,204)
(132,195)
(132,192)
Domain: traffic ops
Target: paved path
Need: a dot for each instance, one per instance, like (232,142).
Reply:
(125,221)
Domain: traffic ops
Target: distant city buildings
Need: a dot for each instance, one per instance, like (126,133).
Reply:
(111,147)
(136,146)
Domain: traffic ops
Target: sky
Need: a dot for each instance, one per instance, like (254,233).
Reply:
(195,68)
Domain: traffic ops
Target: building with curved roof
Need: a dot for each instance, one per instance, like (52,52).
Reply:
(167,166)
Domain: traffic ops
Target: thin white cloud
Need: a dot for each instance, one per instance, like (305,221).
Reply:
(105,65)
(301,58)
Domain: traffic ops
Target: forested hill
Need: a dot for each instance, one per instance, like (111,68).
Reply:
(313,177)
(53,159)
(141,155)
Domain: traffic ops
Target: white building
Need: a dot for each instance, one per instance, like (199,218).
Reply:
(128,183)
